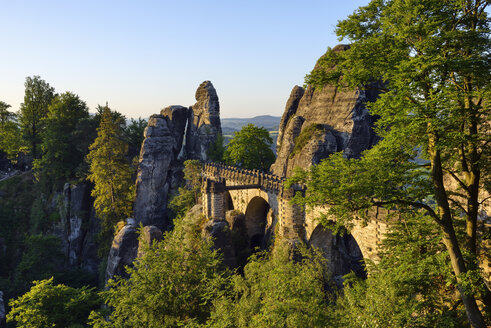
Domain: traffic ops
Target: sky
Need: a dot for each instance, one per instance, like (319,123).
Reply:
(141,56)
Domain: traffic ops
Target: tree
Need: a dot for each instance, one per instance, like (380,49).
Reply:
(60,152)
(111,174)
(217,149)
(171,285)
(10,140)
(411,286)
(250,148)
(5,114)
(134,135)
(49,305)
(276,291)
(190,193)
(38,96)
(434,60)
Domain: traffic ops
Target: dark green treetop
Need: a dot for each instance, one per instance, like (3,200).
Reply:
(60,152)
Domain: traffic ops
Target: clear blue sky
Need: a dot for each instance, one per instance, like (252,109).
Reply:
(141,56)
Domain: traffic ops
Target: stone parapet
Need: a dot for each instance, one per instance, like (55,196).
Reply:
(265,181)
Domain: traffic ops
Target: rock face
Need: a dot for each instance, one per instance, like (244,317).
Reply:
(78,227)
(82,227)
(126,247)
(219,231)
(124,250)
(149,234)
(157,166)
(317,123)
(203,122)
(163,152)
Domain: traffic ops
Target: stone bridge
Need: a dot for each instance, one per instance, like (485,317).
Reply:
(265,202)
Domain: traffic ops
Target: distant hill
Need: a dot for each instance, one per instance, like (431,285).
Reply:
(268,122)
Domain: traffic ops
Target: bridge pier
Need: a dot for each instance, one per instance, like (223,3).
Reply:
(291,225)
(213,199)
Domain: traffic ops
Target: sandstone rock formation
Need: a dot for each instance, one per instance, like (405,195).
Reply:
(219,231)
(319,122)
(127,246)
(158,161)
(164,151)
(203,122)
(148,235)
(78,227)
(124,250)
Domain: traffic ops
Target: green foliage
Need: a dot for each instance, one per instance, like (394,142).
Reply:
(276,291)
(433,62)
(15,205)
(111,174)
(307,134)
(5,114)
(10,136)
(250,148)
(37,98)
(412,286)
(134,135)
(61,154)
(41,259)
(171,285)
(49,305)
(217,149)
(190,194)
(182,202)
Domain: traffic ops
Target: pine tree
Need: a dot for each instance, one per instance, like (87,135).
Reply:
(111,174)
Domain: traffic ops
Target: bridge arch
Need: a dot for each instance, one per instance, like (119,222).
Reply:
(228,203)
(256,219)
(342,252)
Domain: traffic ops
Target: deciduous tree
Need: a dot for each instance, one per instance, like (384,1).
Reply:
(37,98)
(60,152)
(10,138)
(171,285)
(250,148)
(434,59)
(49,305)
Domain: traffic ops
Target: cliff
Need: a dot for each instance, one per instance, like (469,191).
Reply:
(318,122)
(176,134)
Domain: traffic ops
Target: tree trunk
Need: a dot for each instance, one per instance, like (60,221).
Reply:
(449,238)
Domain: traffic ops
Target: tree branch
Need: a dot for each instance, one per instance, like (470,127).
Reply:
(461,183)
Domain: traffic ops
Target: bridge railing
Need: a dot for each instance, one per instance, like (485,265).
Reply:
(266,181)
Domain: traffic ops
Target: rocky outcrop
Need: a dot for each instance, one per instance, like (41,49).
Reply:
(163,152)
(127,246)
(219,231)
(158,166)
(148,235)
(124,250)
(203,122)
(319,122)
(81,226)
(78,227)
